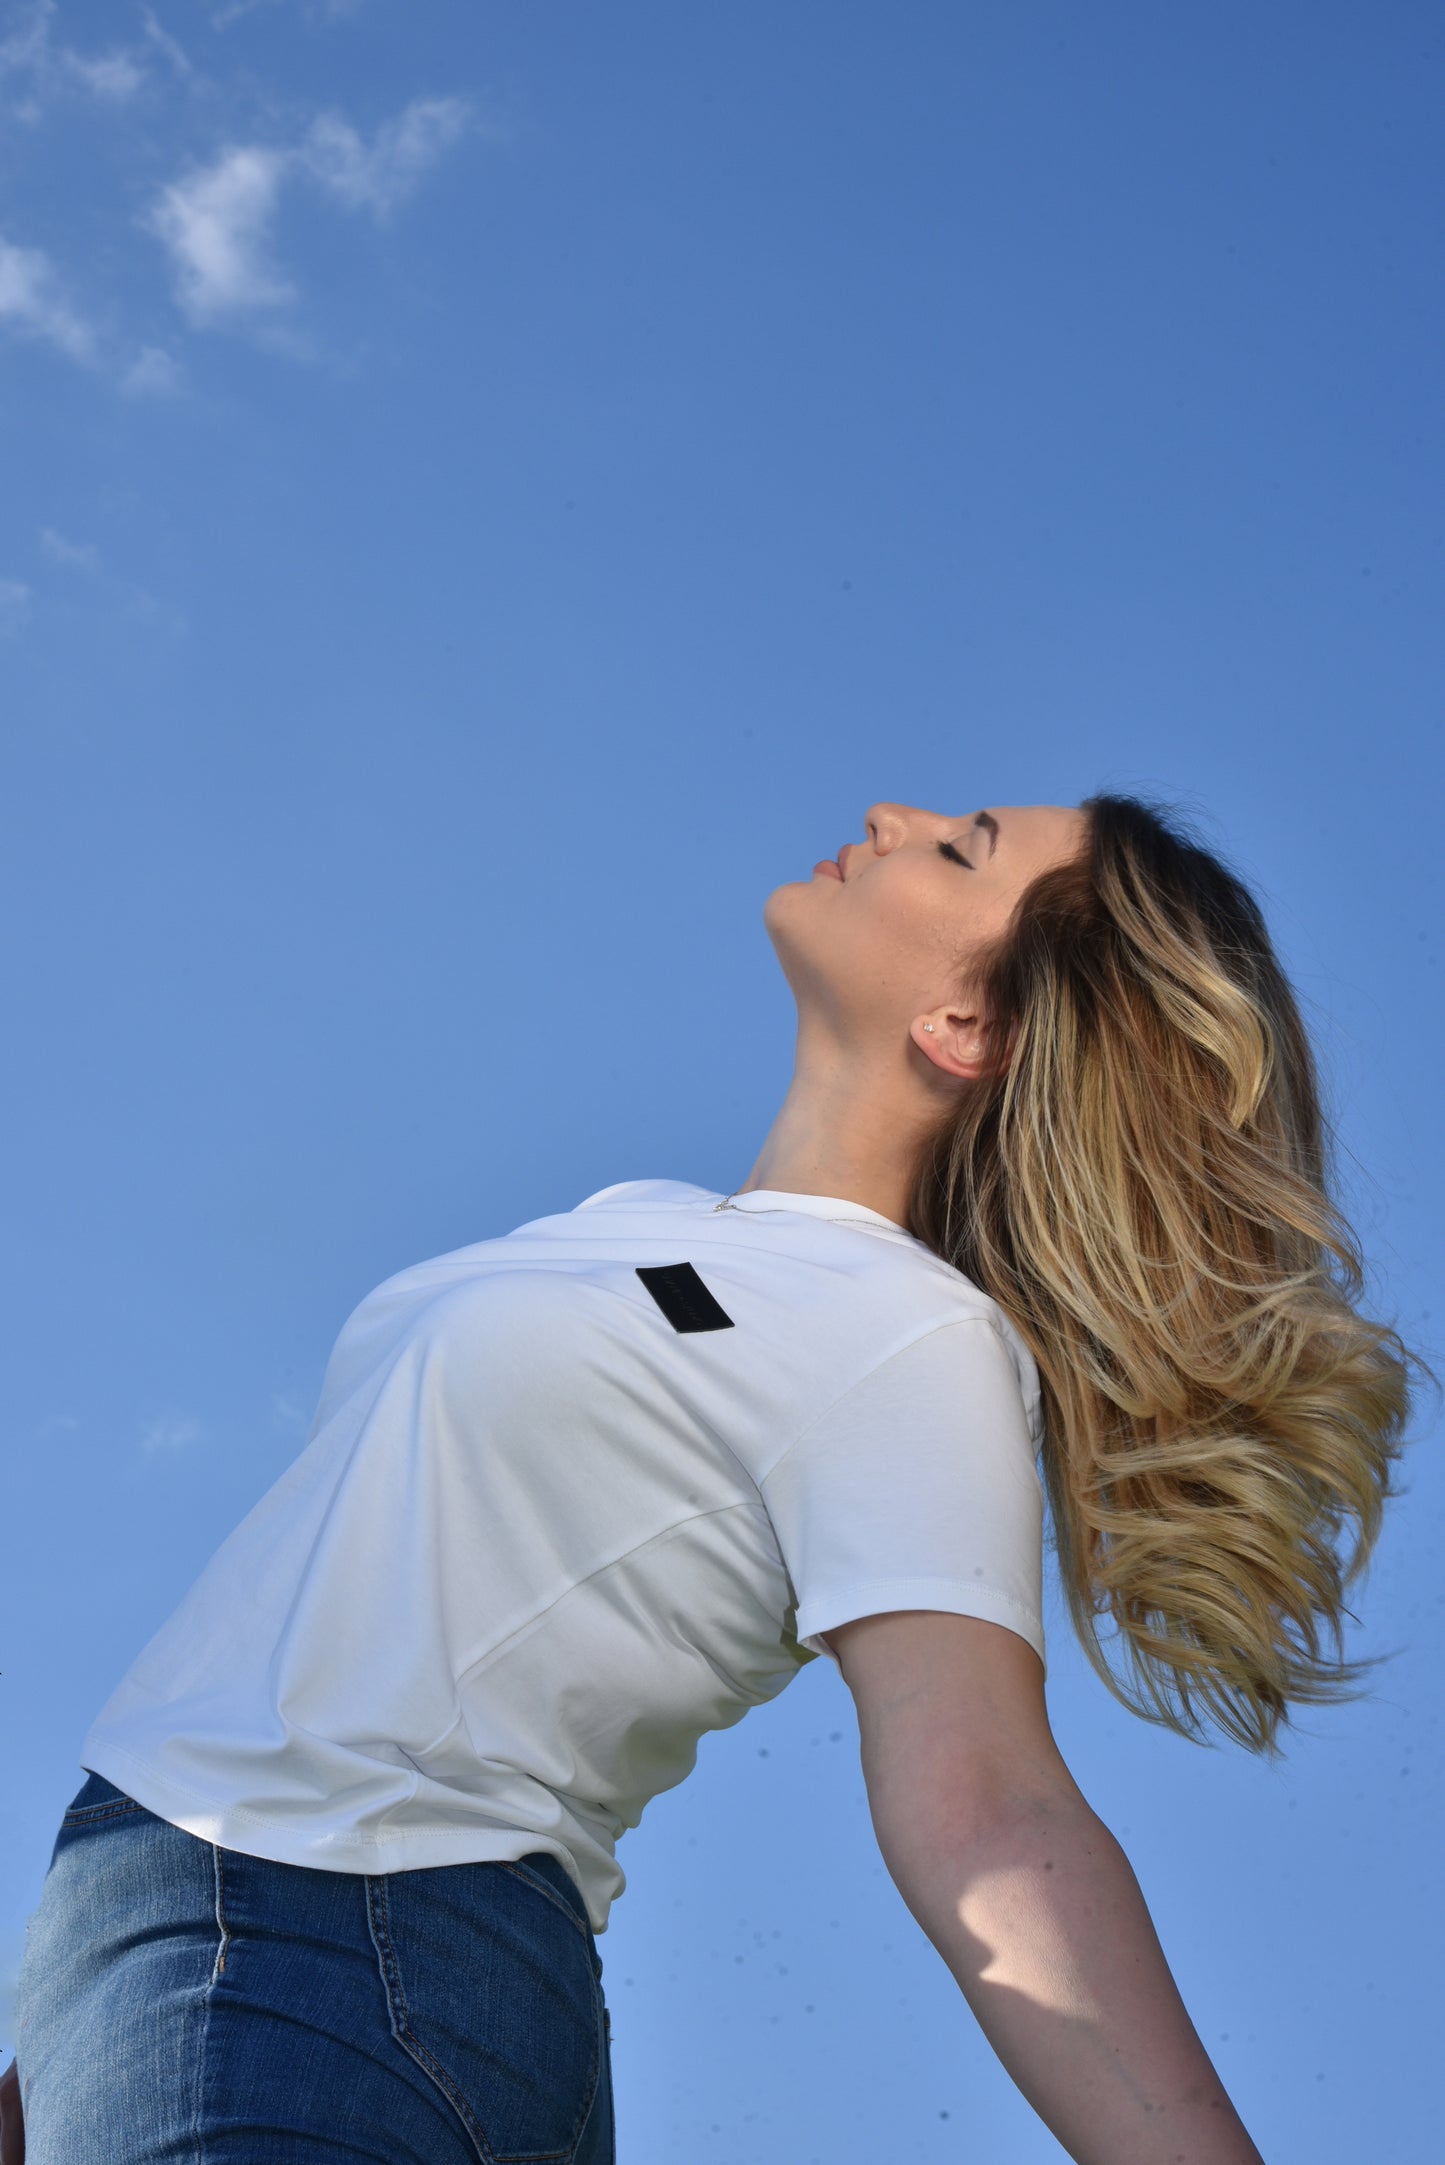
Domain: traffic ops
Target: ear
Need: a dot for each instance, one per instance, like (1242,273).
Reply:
(957,1041)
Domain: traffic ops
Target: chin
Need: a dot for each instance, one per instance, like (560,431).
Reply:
(791,928)
(779,905)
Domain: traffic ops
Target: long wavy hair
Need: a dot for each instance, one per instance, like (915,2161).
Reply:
(1141,1183)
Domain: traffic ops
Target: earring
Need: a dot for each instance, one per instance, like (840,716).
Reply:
(928,1026)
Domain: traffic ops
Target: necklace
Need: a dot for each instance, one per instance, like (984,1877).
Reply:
(780,1210)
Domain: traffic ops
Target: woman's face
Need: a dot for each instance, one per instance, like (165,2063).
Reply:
(885,933)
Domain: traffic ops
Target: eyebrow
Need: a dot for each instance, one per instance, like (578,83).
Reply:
(986,819)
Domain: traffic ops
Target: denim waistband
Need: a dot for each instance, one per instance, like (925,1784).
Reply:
(433,2016)
(98,1800)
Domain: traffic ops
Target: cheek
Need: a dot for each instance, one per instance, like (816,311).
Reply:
(891,943)
(907,942)
(937,923)
(973,921)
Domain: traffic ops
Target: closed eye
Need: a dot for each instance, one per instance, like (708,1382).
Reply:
(955,856)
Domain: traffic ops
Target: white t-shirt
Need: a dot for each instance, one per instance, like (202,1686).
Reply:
(556,1520)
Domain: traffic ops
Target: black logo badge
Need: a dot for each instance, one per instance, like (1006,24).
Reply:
(683,1298)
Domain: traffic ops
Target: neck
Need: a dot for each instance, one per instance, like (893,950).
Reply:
(851,1125)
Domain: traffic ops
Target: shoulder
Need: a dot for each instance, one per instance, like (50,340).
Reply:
(644,1195)
(962,1327)
(961,1365)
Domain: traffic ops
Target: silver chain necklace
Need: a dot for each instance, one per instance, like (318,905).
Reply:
(765,1210)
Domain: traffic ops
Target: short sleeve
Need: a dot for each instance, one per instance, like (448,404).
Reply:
(918,1489)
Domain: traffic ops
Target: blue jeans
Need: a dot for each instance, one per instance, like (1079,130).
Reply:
(183,2002)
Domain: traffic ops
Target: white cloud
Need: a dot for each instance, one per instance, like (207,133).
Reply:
(231,11)
(32,302)
(161,38)
(378,175)
(217,219)
(170,1435)
(216,223)
(26,50)
(153,374)
(74,555)
(40,66)
(15,599)
(109,75)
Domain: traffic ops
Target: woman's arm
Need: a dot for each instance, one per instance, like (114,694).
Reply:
(1026,1894)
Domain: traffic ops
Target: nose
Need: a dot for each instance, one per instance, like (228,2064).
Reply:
(889,824)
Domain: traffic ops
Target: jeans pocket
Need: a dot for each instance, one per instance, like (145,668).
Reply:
(97,1805)
(492,1988)
(97,1801)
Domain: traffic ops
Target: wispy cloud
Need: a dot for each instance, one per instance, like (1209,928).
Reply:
(66,1421)
(15,600)
(225,12)
(73,555)
(379,175)
(170,1435)
(216,222)
(25,50)
(153,374)
(33,302)
(38,66)
(164,43)
(108,75)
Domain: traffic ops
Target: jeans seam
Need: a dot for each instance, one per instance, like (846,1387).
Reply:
(601,2022)
(541,1886)
(224,1942)
(379,1925)
(399,2015)
(205,1996)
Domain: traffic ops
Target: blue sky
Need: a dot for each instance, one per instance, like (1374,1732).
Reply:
(487,493)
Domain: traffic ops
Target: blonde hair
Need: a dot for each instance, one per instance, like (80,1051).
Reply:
(1141,1185)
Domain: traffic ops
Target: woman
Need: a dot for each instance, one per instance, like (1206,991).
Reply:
(1046,1192)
